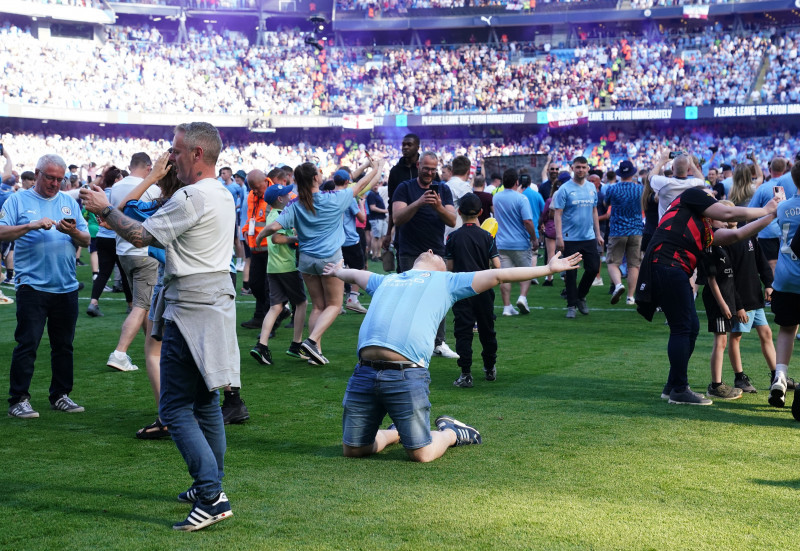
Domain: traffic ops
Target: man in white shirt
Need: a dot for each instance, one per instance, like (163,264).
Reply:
(459,186)
(199,353)
(669,187)
(140,269)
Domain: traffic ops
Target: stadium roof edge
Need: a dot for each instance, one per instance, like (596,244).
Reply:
(518,19)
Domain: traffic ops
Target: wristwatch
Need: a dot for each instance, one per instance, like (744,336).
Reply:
(106,211)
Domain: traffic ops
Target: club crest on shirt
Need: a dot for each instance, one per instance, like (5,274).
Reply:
(425,274)
(2,213)
(66,211)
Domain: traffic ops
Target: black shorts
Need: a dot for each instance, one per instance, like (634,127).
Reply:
(719,325)
(353,256)
(6,247)
(286,286)
(786,307)
(771,247)
(247,253)
(93,245)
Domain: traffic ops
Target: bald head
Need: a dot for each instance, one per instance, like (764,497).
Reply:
(680,166)
(777,167)
(257,181)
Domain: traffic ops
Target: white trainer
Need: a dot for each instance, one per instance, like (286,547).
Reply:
(121,363)
(522,304)
(510,311)
(619,290)
(445,352)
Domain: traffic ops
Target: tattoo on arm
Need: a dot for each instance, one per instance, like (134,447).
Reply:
(131,230)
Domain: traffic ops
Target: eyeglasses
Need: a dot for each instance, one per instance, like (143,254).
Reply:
(428,170)
(50,179)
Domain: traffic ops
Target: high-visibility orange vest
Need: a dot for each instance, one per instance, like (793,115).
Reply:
(257,210)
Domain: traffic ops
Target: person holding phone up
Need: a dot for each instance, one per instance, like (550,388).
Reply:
(421,208)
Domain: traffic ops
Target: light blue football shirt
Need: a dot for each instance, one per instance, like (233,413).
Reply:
(787,270)
(764,194)
(510,209)
(43,259)
(319,235)
(577,203)
(537,206)
(407,308)
(349,225)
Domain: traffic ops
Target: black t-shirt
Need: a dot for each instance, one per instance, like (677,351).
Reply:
(471,248)
(716,263)
(425,230)
(683,233)
(399,174)
(750,270)
(374,199)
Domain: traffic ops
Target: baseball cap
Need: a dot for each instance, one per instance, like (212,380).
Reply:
(469,204)
(273,192)
(725,166)
(341,177)
(626,169)
(241,174)
(564,176)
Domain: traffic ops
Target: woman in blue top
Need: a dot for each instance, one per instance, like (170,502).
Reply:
(317,218)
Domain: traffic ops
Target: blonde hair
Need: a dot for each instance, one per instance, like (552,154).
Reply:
(742,188)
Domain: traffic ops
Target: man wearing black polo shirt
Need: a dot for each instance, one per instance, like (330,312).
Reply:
(420,214)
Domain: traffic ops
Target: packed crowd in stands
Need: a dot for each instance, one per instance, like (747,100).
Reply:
(603,152)
(697,70)
(780,82)
(134,71)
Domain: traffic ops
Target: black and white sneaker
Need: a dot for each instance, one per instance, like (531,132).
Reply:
(777,392)
(205,514)
(189,496)
(261,354)
(491,373)
(313,352)
(65,403)
(23,409)
(464,433)
(464,381)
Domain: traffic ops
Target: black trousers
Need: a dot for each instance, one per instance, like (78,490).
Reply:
(467,312)
(35,309)
(106,258)
(259,284)
(591,267)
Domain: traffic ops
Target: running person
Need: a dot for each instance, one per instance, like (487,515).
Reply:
(317,218)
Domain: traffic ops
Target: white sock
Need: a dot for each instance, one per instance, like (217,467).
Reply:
(521,299)
(353,295)
(120,353)
(781,370)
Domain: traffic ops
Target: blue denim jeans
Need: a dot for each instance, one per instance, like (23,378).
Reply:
(192,413)
(35,309)
(674,294)
(403,394)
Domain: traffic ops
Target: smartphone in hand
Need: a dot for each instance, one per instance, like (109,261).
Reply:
(779,192)
(435,187)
